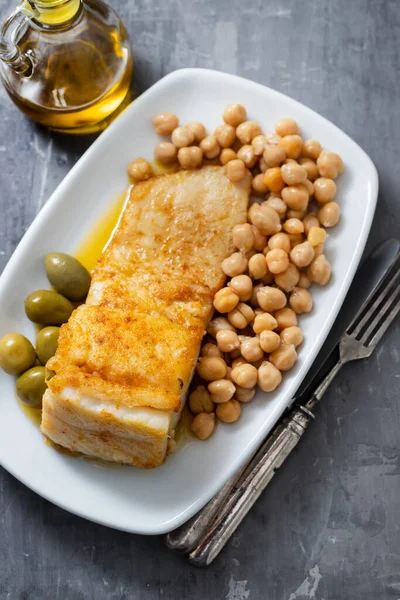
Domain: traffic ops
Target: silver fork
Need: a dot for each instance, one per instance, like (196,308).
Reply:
(359,341)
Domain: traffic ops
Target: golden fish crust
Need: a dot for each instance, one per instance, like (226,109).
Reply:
(133,346)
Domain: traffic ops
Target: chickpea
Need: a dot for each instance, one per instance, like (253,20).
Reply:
(251,349)
(293,173)
(211,368)
(277,204)
(140,170)
(279,241)
(277,261)
(234,114)
(286,126)
(250,253)
(235,170)
(269,341)
(262,165)
(273,138)
(265,218)
(304,282)
(257,266)
(247,131)
(271,299)
(225,300)
(190,157)
(284,357)
(198,130)
(295,214)
(200,401)
(225,135)
(165,123)
(267,279)
(316,236)
(203,425)
(264,322)
(258,143)
(182,137)
(302,254)
(309,186)
(241,316)
(235,264)
(330,164)
(229,412)
(256,288)
(319,271)
(227,340)
(292,145)
(258,186)
(293,226)
(211,349)
(260,240)
(311,149)
(318,250)
(219,324)
(292,336)
(246,154)
(232,355)
(269,377)
(310,221)
(229,371)
(165,153)
(243,237)
(210,147)
(273,156)
(288,279)
(324,190)
(242,285)
(245,376)
(227,155)
(311,168)
(296,238)
(285,317)
(329,214)
(300,300)
(296,197)
(244,395)
(273,179)
(221,390)
(237,362)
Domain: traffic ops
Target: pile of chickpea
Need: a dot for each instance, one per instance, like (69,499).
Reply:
(254,334)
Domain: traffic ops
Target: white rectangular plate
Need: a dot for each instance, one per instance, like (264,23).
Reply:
(157,501)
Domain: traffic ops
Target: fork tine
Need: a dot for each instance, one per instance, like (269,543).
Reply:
(379,317)
(384,326)
(365,317)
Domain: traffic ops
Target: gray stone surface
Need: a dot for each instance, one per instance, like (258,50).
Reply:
(328,526)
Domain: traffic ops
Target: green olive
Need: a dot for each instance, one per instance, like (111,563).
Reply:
(47,307)
(16,354)
(46,343)
(31,386)
(67,275)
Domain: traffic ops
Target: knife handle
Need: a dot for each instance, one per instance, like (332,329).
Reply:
(256,477)
(186,537)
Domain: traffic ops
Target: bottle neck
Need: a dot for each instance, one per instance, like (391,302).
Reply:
(55,12)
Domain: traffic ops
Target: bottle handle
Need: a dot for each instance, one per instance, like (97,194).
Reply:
(10,54)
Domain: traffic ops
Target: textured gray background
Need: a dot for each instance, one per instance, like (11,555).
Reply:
(328,527)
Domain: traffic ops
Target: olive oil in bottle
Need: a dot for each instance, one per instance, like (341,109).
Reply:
(67,64)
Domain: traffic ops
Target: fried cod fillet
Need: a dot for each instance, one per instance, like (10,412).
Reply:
(125,359)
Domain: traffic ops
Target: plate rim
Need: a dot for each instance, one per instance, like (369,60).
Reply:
(57,197)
